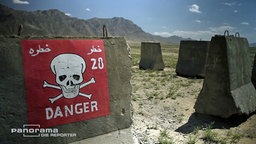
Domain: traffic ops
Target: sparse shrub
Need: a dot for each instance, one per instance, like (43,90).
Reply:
(196,130)
(153,127)
(213,137)
(234,138)
(192,139)
(134,98)
(172,92)
(164,138)
(135,59)
(170,60)
(184,84)
(210,136)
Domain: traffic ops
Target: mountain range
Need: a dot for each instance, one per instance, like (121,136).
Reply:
(55,23)
(252,44)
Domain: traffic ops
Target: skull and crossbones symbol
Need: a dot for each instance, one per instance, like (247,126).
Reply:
(68,70)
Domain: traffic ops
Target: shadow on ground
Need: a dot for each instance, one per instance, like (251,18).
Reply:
(201,121)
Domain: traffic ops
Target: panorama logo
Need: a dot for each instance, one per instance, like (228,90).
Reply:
(34,130)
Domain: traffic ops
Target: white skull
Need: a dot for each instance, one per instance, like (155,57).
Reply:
(68,69)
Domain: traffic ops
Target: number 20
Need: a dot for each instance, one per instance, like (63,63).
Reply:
(97,64)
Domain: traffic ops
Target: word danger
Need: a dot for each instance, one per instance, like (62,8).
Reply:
(70,110)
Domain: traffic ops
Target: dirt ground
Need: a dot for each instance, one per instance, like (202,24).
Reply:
(162,108)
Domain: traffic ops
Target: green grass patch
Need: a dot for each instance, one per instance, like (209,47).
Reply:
(164,138)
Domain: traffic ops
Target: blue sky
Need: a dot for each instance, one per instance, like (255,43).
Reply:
(197,19)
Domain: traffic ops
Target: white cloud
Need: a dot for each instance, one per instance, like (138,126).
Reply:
(235,11)
(198,21)
(88,9)
(163,34)
(245,23)
(194,8)
(20,2)
(229,4)
(221,29)
(198,35)
(202,34)
(67,14)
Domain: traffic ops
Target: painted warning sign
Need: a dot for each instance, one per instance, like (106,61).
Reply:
(66,81)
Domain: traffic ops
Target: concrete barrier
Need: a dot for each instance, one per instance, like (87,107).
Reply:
(192,58)
(227,87)
(252,54)
(151,56)
(254,72)
(13,107)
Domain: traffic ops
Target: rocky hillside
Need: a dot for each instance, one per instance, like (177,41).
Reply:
(55,23)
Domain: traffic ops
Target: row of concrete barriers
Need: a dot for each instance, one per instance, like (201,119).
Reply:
(225,64)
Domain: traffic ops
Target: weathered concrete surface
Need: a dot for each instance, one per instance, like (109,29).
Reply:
(13,108)
(123,136)
(192,58)
(227,87)
(252,54)
(253,66)
(151,56)
(254,72)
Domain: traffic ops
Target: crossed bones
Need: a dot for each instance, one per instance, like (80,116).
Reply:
(52,100)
